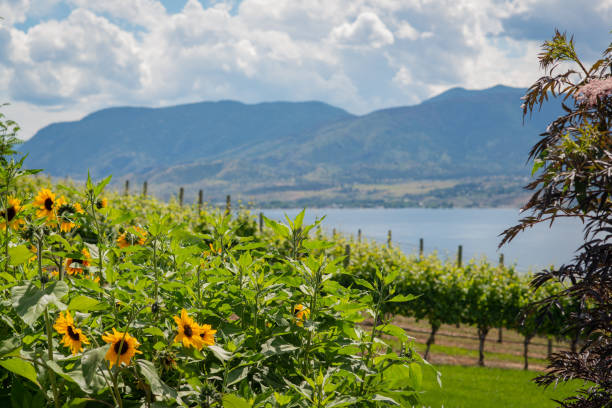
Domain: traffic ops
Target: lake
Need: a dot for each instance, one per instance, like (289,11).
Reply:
(443,230)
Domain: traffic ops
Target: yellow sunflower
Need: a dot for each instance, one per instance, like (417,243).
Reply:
(128,238)
(35,256)
(73,337)
(101,203)
(301,313)
(65,214)
(122,347)
(10,213)
(46,203)
(75,266)
(188,331)
(207,334)
(79,208)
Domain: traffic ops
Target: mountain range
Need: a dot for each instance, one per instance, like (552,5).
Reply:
(297,153)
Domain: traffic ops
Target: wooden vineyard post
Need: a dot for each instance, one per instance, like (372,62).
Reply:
(500,338)
(549,350)
(144,189)
(459,255)
(421,245)
(260,222)
(200,200)
(228,204)
(127,188)
(347,254)
(334,233)
(389,239)
(181,194)
(359,235)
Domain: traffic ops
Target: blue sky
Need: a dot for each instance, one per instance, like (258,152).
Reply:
(62,59)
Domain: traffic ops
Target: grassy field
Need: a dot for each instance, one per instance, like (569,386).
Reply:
(484,387)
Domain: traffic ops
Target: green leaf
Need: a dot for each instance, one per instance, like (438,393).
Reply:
(317,244)
(30,302)
(85,304)
(19,254)
(8,346)
(220,353)
(402,298)
(90,361)
(20,367)
(237,375)
(234,401)
(77,403)
(364,283)
(100,186)
(395,331)
(537,164)
(148,371)
(154,331)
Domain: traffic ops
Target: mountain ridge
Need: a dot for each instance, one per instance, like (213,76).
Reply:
(232,147)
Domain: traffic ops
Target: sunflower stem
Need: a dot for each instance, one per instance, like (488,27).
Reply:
(6,226)
(92,200)
(155,269)
(50,356)
(61,268)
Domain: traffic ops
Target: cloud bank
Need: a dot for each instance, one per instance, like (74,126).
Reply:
(62,59)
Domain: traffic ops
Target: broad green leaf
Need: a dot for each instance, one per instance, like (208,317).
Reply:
(9,346)
(394,330)
(220,353)
(154,331)
(19,254)
(85,304)
(20,367)
(234,401)
(30,302)
(402,298)
(148,371)
(317,244)
(364,283)
(90,361)
(100,186)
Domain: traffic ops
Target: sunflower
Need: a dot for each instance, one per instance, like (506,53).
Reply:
(79,208)
(207,334)
(65,214)
(46,203)
(188,331)
(122,347)
(101,203)
(73,337)
(75,266)
(301,313)
(35,256)
(128,238)
(10,213)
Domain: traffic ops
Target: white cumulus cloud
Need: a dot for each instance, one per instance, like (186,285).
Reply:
(366,31)
(60,58)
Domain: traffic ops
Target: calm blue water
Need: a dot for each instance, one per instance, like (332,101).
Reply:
(443,230)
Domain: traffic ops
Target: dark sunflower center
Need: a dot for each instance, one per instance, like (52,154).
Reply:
(99,204)
(73,335)
(131,238)
(296,311)
(66,209)
(48,204)
(77,261)
(187,330)
(124,348)
(9,214)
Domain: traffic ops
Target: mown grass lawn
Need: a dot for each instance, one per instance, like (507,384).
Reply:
(483,387)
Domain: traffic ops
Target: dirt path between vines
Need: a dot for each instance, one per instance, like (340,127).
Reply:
(459,345)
